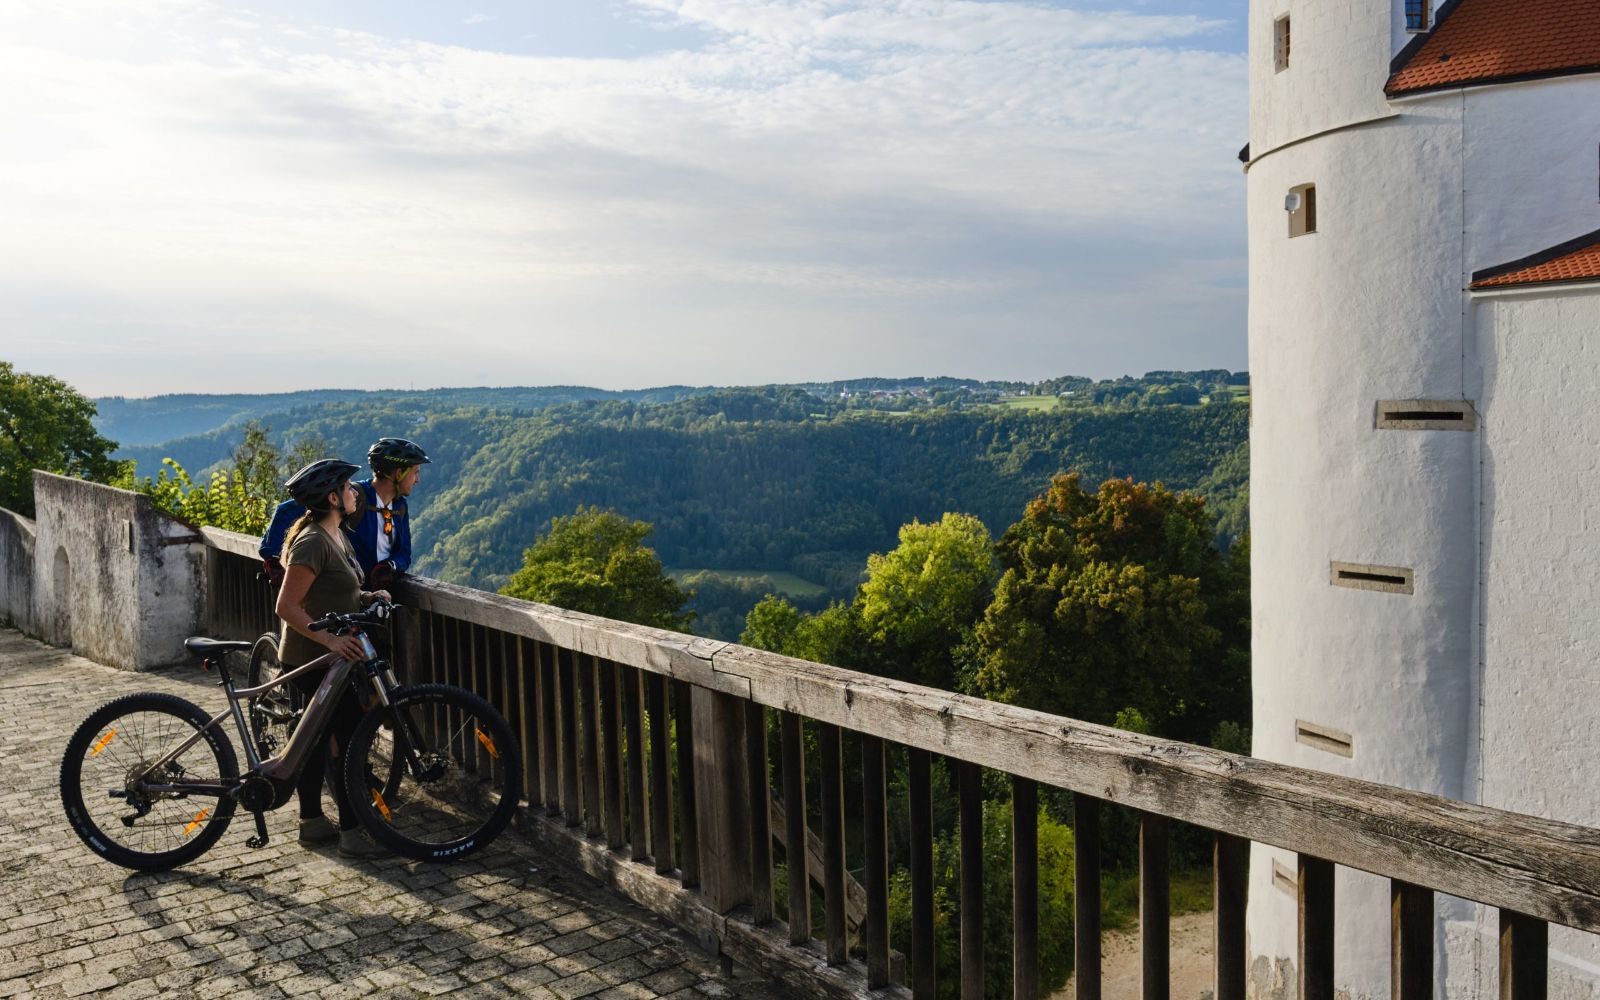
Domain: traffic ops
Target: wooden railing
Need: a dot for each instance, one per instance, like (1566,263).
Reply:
(646,763)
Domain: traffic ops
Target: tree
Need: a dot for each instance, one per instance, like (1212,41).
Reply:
(1116,601)
(921,599)
(595,561)
(46,424)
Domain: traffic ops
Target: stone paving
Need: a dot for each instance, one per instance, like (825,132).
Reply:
(285,921)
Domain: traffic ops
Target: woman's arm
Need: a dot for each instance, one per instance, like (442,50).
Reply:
(291,608)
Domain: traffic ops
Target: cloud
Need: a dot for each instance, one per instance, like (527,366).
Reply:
(478,19)
(820,188)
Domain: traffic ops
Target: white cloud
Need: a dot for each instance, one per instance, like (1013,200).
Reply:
(824,188)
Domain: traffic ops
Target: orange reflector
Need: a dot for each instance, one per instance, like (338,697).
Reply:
(103,741)
(488,744)
(195,823)
(383,807)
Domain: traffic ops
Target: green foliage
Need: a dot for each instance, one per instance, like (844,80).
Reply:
(1117,601)
(240,498)
(596,561)
(1056,854)
(46,424)
(722,598)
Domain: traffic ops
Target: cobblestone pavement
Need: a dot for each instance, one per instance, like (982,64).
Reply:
(285,921)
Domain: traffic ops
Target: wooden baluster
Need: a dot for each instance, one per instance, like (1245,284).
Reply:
(571,800)
(794,816)
(688,814)
(1025,889)
(632,681)
(1316,928)
(589,726)
(923,959)
(452,663)
(1086,893)
(550,730)
(528,714)
(1154,907)
(875,822)
(477,668)
(660,774)
(969,778)
(833,904)
(759,808)
(1410,941)
(1229,878)
(1524,957)
(611,746)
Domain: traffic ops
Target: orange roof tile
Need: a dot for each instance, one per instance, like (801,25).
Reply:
(1480,41)
(1574,260)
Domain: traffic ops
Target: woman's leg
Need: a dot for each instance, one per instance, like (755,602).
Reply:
(346,715)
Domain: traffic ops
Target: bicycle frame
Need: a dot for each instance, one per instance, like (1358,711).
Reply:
(284,768)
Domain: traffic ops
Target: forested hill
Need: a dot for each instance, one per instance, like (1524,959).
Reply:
(763,480)
(212,421)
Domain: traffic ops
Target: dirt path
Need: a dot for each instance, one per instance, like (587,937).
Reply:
(1191,961)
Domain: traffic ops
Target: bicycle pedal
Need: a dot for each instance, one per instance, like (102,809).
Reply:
(260,839)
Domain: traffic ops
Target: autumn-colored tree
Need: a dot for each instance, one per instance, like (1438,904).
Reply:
(1117,600)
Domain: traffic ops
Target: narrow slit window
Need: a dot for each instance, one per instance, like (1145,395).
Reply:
(1417,12)
(1280,44)
(1359,576)
(1427,415)
(1301,204)
(1284,879)
(1323,738)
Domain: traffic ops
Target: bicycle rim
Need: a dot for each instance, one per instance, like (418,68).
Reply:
(449,769)
(108,782)
(272,715)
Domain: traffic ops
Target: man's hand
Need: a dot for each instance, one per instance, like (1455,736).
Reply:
(272,569)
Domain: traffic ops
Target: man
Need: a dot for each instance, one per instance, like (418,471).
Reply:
(381,534)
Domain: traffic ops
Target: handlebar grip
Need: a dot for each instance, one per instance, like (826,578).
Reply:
(319,626)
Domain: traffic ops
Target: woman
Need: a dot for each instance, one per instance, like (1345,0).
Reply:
(321,575)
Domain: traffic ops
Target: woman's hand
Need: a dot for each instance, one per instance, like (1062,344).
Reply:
(347,646)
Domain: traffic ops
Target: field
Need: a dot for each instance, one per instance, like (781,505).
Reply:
(783,583)
(1030,402)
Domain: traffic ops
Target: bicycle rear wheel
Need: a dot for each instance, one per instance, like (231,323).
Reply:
(112,794)
(454,773)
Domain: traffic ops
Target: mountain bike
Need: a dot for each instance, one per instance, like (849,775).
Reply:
(150,781)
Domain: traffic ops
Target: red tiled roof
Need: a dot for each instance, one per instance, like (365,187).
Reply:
(1479,41)
(1575,260)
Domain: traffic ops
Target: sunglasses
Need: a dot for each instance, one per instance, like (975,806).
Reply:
(388,520)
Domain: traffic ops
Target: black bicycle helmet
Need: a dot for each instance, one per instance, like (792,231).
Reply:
(312,484)
(388,454)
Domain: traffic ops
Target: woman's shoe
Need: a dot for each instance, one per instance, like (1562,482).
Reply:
(357,844)
(317,830)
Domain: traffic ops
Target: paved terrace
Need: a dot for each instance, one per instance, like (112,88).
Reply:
(285,921)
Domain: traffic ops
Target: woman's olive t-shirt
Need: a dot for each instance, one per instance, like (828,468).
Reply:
(337,587)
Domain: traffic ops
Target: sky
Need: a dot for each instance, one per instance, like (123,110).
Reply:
(210,197)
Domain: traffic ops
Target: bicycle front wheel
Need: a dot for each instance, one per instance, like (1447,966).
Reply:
(452,767)
(129,810)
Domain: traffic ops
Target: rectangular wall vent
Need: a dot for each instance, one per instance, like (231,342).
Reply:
(1427,415)
(1388,579)
(1285,880)
(1323,738)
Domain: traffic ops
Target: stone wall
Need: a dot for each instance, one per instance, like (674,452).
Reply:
(16,572)
(112,578)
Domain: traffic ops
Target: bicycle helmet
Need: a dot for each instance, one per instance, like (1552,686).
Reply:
(312,484)
(391,454)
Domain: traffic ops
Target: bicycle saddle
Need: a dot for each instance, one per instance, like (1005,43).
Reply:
(201,646)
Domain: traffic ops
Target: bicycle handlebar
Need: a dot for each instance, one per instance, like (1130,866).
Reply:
(376,613)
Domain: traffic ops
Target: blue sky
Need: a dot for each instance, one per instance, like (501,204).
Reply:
(205,196)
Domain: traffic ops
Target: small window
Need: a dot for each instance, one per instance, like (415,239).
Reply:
(1284,880)
(1323,738)
(1417,15)
(1280,43)
(1359,576)
(1426,415)
(1301,204)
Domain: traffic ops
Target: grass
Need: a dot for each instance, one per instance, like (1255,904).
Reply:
(1029,402)
(783,583)
(1190,892)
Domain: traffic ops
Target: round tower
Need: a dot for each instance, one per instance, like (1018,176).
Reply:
(1398,152)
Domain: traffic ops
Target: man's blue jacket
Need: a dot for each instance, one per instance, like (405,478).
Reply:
(363,538)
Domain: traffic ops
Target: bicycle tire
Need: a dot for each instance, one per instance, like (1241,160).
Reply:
(116,740)
(467,779)
(274,715)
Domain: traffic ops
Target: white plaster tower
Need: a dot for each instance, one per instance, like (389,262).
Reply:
(1424,225)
